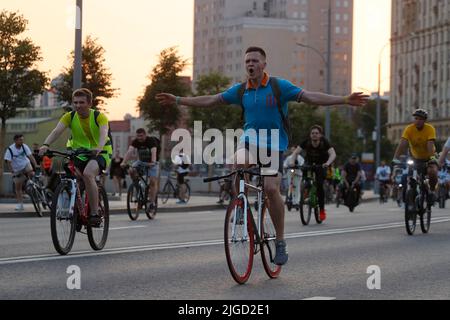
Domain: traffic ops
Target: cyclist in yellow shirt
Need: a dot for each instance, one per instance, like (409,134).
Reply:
(420,137)
(89,130)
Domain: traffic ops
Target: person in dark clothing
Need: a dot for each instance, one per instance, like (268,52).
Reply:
(351,175)
(117,173)
(318,151)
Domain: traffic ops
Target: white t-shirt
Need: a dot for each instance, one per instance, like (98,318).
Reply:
(383,173)
(179,160)
(300,161)
(18,157)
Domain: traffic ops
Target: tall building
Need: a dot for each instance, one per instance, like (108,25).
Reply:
(420,64)
(224,29)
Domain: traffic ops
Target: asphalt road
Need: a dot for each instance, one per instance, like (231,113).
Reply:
(181,256)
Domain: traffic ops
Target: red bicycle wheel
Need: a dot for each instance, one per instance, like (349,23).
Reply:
(268,243)
(239,241)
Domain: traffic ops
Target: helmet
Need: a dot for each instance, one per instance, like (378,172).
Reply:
(420,113)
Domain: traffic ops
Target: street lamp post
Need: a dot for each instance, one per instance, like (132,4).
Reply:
(378,148)
(327,63)
(78,45)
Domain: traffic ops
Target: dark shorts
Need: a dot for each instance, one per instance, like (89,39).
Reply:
(180,177)
(268,152)
(81,165)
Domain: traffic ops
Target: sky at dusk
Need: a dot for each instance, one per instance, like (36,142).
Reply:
(134,32)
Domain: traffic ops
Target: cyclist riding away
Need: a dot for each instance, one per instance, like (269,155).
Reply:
(20,159)
(294,175)
(89,131)
(351,176)
(263,111)
(182,163)
(420,137)
(318,151)
(147,149)
(383,175)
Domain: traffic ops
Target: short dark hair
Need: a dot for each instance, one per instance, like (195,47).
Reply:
(256,49)
(83,92)
(18,136)
(141,131)
(317,127)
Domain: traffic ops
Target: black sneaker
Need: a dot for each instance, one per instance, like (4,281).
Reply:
(95,221)
(281,256)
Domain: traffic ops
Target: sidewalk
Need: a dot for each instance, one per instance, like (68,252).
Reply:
(117,205)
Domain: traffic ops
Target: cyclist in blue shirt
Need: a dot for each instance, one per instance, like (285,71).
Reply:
(261,113)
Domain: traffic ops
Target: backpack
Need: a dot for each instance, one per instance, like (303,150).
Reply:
(96,114)
(277,93)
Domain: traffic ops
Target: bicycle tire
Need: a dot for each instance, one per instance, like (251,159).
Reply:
(188,193)
(59,212)
(425,218)
(442,197)
(268,247)
(152,214)
(305,215)
(98,236)
(410,212)
(239,250)
(317,216)
(167,191)
(35,199)
(134,201)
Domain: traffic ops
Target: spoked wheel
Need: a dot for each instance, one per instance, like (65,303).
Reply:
(239,241)
(151,211)
(36,200)
(268,244)
(399,197)
(62,223)
(305,210)
(442,196)
(316,214)
(135,201)
(98,234)
(165,195)
(188,193)
(410,212)
(425,218)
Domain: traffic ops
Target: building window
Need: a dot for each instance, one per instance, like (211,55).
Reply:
(338,30)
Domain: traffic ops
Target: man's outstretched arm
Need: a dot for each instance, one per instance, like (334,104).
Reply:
(355,99)
(166,99)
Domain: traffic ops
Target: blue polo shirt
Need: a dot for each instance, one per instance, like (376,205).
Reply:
(261,111)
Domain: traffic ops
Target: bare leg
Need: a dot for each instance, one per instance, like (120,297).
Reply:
(89,174)
(275,204)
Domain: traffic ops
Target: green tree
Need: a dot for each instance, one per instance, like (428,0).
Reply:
(164,78)
(20,80)
(95,75)
(220,117)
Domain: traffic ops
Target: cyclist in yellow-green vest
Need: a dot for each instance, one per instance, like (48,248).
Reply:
(89,130)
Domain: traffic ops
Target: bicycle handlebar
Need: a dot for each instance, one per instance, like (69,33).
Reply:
(253,171)
(71,153)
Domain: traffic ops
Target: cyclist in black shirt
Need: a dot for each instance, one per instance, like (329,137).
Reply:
(351,175)
(318,151)
(147,149)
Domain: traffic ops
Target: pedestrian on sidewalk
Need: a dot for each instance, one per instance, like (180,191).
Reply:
(19,159)
(117,173)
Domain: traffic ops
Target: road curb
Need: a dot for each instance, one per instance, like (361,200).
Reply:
(116,211)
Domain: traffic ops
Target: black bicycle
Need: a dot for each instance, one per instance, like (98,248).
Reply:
(40,196)
(137,196)
(417,197)
(383,190)
(170,189)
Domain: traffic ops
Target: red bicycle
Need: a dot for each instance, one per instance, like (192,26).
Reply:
(70,208)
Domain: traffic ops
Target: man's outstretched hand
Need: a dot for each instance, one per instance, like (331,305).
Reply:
(166,99)
(357,99)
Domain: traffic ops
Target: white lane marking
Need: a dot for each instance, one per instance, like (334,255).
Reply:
(320,298)
(122,228)
(111,251)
